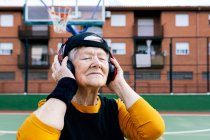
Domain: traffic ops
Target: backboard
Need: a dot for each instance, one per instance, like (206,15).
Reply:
(82,12)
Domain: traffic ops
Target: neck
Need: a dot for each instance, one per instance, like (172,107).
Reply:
(86,97)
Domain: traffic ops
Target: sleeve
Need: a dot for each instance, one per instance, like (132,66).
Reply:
(33,129)
(140,121)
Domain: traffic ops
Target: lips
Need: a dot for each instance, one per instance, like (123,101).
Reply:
(95,73)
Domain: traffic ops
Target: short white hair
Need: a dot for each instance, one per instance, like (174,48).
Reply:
(72,54)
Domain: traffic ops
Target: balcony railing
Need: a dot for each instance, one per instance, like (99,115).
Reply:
(149,61)
(29,32)
(34,63)
(157,61)
(148,31)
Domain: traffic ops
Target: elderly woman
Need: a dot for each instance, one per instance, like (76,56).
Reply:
(75,111)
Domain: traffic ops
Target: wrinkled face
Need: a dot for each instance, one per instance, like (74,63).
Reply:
(91,66)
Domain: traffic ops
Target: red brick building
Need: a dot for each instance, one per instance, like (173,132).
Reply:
(161,49)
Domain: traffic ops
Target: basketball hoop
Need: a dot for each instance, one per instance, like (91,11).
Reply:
(60,16)
(65,17)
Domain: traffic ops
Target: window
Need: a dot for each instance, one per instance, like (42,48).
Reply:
(181,75)
(118,20)
(39,55)
(6,48)
(37,75)
(39,30)
(142,49)
(148,75)
(39,27)
(7,75)
(145,27)
(6,20)
(182,20)
(118,48)
(204,75)
(182,48)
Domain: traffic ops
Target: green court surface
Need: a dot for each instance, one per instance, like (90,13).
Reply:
(178,126)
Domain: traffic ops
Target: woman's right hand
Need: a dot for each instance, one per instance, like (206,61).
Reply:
(60,70)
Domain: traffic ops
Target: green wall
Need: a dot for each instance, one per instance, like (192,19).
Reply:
(160,102)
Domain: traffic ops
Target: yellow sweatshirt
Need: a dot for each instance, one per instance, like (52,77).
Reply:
(139,122)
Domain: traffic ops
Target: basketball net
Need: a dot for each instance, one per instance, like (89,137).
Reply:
(60,17)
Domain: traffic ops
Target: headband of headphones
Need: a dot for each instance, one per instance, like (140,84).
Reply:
(87,39)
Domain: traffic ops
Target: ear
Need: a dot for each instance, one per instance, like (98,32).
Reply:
(71,67)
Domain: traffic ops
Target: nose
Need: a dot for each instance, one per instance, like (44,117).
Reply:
(96,62)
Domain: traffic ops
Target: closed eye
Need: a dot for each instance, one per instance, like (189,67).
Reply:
(101,58)
(86,58)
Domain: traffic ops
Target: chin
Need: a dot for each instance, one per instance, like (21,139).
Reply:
(96,83)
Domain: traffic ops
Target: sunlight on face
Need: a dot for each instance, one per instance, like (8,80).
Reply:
(91,66)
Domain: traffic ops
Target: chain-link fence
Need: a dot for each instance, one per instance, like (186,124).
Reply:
(179,65)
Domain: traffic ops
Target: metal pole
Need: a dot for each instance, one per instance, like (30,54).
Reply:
(171,67)
(207,66)
(135,78)
(134,60)
(26,68)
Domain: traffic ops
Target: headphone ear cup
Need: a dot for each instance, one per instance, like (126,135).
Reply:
(112,73)
(70,66)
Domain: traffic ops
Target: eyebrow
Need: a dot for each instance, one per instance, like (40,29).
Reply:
(98,53)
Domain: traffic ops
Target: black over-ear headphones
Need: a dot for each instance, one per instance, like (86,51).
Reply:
(61,56)
(112,69)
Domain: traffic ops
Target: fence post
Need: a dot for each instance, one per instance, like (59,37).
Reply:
(26,68)
(207,65)
(171,66)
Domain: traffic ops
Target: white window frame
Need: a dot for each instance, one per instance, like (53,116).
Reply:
(182,20)
(6,20)
(182,48)
(118,20)
(6,48)
(119,47)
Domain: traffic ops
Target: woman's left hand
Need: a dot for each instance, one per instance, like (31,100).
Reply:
(119,78)
(120,87)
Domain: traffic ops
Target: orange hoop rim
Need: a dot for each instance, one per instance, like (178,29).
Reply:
(63,14)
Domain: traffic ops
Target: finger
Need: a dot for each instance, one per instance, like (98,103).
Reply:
(114,61)
(56,58)
(52,67)
(56,63)
(64,62)
(53,75)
